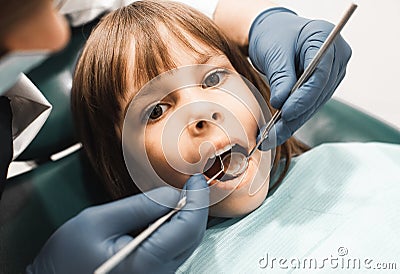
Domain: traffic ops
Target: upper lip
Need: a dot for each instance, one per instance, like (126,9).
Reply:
(224,145)
(222,150)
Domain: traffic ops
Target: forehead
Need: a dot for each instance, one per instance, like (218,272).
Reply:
(186,48)
(167,49)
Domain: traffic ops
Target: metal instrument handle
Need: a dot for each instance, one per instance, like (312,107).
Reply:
(308,71)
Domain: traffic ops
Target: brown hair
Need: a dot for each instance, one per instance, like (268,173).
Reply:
(100,82)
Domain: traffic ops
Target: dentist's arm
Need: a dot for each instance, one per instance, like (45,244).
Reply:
(86,241)
(281,45)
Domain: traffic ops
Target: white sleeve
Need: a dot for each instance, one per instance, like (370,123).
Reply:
(82,11)
(205,6)
(30,110)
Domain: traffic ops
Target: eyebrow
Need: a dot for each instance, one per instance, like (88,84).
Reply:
(204,58)
(201,59)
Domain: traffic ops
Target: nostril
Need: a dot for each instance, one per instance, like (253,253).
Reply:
(216,116)
(200,124)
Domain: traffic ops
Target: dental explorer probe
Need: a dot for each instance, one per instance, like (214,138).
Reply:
(244,160)
(108,265)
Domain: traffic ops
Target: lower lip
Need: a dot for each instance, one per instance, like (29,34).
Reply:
(238,182)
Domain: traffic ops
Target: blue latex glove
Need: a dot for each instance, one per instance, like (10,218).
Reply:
(89,239)
(281,45)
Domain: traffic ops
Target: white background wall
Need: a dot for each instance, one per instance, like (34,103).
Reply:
(373,32)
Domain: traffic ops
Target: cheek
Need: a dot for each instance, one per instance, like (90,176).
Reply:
(247,118)
(154,149)
(240,101)
(183,148)
(156,156)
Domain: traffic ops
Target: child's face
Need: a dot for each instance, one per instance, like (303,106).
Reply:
(187,126)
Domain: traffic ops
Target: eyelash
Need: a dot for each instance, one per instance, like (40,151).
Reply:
(222,71)
(146,117)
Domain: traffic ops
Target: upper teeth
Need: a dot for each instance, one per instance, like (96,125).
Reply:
(222,150)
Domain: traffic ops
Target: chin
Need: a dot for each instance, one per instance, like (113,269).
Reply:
(239,202)
(242,195)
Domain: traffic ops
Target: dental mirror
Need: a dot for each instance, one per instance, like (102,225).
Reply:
(199,126)
(237,163)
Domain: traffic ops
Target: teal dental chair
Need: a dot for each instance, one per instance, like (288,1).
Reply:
(36,203)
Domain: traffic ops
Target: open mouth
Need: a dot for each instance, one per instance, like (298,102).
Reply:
(213,165)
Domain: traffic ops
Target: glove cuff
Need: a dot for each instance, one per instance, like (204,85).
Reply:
(265,14)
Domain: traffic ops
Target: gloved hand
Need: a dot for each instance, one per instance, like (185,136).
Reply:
(281,45)
(86,241)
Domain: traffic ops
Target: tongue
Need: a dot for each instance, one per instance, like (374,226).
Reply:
(213,166)
(231,164)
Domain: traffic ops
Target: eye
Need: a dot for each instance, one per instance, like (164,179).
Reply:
(157,111)
(214,78)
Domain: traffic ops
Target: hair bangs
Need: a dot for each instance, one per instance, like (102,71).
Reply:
(151,57)
(153,53)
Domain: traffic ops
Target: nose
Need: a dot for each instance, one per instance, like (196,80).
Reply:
(203,117)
